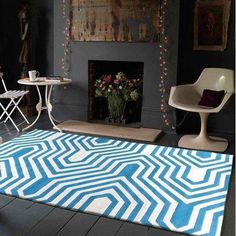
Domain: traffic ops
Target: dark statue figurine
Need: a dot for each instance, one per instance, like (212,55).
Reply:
(24,58)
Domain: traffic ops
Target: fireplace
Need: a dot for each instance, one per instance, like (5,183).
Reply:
(98,106)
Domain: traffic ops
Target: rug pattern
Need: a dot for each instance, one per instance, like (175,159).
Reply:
(171,188)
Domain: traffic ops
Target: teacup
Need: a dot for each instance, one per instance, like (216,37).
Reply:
(33,74)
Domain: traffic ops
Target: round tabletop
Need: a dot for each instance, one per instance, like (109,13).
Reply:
(43,81)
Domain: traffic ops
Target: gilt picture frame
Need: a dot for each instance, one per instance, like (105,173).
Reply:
(211,19)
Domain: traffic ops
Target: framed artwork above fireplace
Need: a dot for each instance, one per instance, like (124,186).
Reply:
(115,20)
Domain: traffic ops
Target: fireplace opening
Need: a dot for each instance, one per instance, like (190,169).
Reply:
(98,110)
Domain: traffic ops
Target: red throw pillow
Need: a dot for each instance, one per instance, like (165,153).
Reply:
(211,98)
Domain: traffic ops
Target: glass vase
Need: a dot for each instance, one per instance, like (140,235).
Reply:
(116,107)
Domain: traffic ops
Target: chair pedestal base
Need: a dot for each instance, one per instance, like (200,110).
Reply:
(203,143)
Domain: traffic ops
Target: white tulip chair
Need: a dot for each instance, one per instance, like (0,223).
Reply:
(186,97)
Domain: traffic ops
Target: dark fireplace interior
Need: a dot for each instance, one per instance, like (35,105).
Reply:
(98,107)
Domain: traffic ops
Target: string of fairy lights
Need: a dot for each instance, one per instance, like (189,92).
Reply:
(65,64)
(163,64)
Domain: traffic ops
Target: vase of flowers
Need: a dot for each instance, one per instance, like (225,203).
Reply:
(116,107)
(118,90)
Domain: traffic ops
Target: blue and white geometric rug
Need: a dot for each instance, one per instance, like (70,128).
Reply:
(171,188)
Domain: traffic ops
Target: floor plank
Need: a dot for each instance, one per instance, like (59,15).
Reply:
(11,217)
(161,232)
(33,215)
(79,225)
(18,204)
(52,223)
(22,222)
(128,229)
(105,227)
(5,200)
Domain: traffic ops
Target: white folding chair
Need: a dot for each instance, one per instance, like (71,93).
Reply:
(15,97)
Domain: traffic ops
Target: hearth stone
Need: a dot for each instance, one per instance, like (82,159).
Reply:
(122,121)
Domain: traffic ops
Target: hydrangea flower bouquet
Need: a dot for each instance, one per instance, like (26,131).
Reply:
(117,89)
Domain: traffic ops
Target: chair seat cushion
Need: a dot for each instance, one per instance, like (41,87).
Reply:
(211,98)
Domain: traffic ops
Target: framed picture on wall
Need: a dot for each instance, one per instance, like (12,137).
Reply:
(211,19)
(115,20)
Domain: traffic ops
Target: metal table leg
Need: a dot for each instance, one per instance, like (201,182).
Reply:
(39,108)
(49,106)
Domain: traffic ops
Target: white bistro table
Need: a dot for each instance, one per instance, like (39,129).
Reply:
(48,84)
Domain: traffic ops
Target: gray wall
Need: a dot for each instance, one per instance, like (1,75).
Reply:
(72,102)
(10,43)
(192,62)
(44,36)
(41,31)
